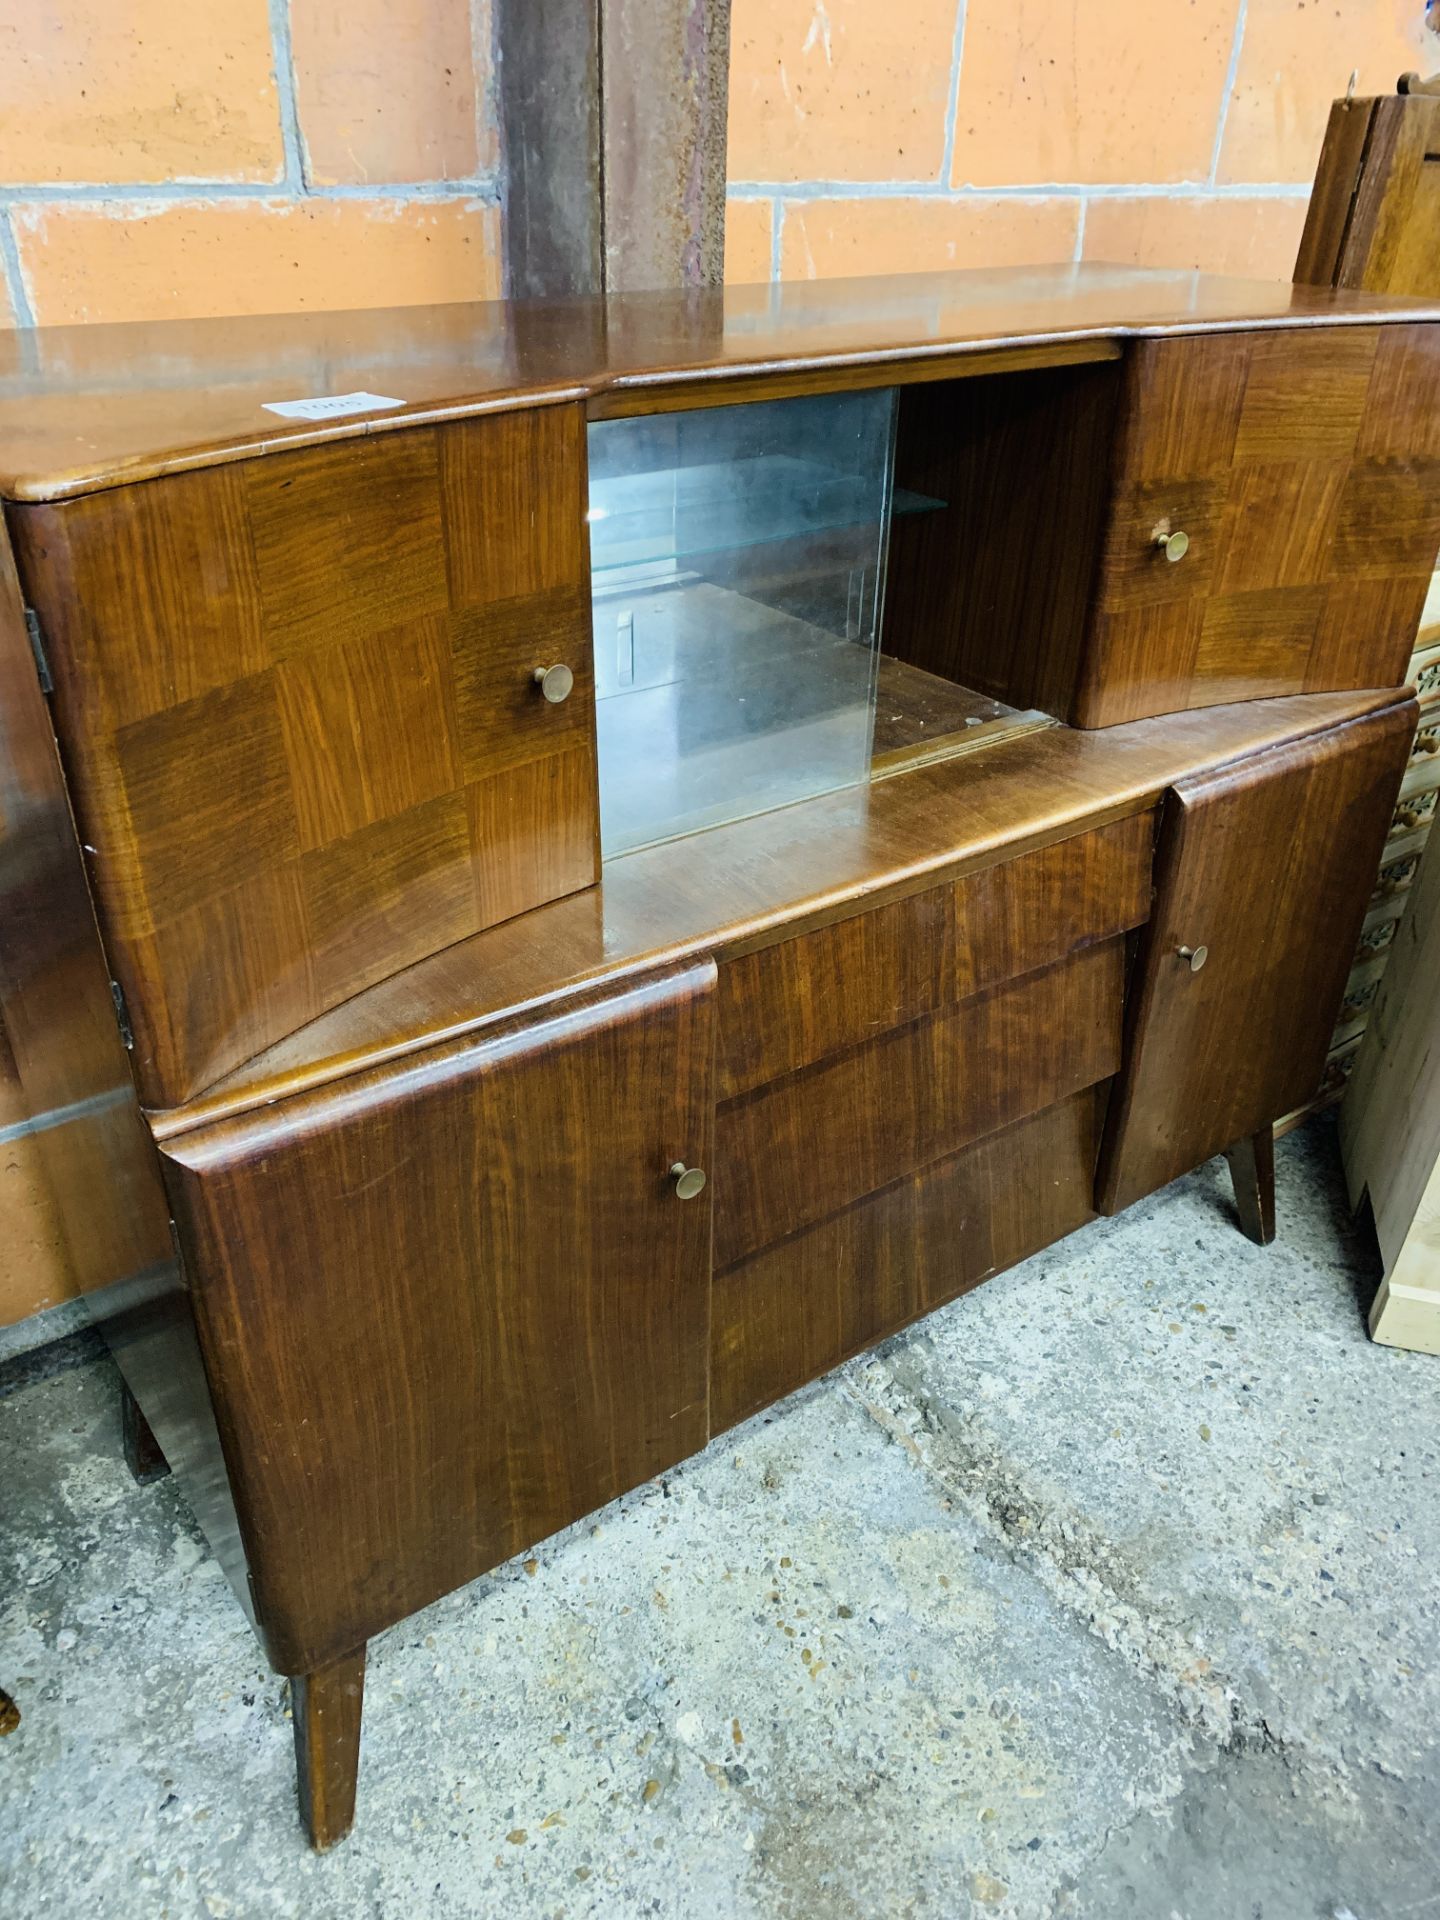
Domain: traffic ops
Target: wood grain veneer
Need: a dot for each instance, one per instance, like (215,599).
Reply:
(994,589)
(1268,865)
(787,1006)
(302,737)
(1306,472)
(794,1312)
(791,1152)
(493,1244)
(88,407)
(772,878)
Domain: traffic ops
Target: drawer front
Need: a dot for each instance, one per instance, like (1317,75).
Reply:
(796,1003)
(799,1309)
(1304,467)
(796,1151)
(297,704)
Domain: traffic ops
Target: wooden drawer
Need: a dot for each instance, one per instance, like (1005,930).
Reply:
(790,1005)
(1306,472)
(797,1310)
(793,1152)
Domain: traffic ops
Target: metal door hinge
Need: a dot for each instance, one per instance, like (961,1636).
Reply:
(37,647)
(122,1015)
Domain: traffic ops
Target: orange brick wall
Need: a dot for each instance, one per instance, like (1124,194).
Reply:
(896,135)
(184,157)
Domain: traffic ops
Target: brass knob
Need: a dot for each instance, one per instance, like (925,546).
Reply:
(688,1180)
(1194,956)
(554,682)
(1174,545)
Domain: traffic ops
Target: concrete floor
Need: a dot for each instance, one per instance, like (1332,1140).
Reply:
(1109,1591)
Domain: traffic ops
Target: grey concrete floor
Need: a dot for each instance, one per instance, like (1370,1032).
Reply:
(1108,1591)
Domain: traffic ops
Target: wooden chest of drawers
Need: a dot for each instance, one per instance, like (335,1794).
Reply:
(425,1091)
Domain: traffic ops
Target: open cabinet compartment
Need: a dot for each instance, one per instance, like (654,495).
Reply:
(754,641)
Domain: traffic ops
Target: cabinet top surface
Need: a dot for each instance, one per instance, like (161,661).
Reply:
(765,878)
(88,407)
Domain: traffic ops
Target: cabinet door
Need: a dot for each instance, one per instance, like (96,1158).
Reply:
(296,703)
(1303,467)
(1267,866)
(452,1305)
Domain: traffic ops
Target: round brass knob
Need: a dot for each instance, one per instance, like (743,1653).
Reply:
(1174,545)
(688,1180)
(554,682)
(1195,957)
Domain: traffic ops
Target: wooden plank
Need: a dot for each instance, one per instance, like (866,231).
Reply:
(1332,199)
(1390,1125)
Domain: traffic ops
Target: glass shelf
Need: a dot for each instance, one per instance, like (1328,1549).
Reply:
(642,520)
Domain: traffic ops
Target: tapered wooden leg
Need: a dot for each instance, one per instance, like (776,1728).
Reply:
(1252,1169)
(142,1450)
(327,1705)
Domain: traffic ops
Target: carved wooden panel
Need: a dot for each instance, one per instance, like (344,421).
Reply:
(1305,470)
(296,703)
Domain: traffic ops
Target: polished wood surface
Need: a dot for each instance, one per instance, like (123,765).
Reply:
(326,1706)
(1374,216)
(794,1312)
(495,1190)
(994,589)
(772,878)
(628,401)
(303,739)
(793,1151)
(1266,864)
(790,1005)
(452,1308)
(94,406)
(1306,473)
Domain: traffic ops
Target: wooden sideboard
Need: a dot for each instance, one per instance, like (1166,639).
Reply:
(470,1177)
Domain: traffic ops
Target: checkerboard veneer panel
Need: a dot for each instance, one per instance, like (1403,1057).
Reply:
(305,745)
(1305,467)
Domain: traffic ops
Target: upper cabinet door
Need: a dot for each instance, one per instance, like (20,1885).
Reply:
(457,1303)
(1263,871)
(296,702)
(1275,518)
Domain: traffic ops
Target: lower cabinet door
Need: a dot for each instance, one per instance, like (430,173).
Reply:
(1263,872)
(454,1304)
